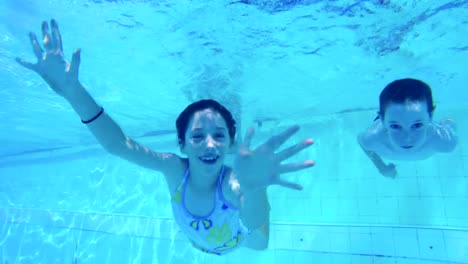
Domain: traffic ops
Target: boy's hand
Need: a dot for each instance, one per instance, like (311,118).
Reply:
(449,127)
(388,170)
(447,122)
(51,65)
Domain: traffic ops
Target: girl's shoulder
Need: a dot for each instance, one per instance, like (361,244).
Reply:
(176,173)
(231,187)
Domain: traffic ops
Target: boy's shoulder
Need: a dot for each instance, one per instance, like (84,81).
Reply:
(372,137)
(444,136)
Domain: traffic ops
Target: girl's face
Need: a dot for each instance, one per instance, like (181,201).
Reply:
(207,140)
(407,124)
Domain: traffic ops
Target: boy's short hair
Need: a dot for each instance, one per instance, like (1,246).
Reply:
(403,90)
(185,116)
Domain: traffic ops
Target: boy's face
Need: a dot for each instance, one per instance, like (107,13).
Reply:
(407,124)
(207,140)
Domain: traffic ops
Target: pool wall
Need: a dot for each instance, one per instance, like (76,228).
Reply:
(84,204)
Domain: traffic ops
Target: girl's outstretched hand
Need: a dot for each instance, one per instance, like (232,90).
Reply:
(262,166)
(51,65)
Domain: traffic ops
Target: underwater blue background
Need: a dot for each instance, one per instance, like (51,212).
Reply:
(320,64)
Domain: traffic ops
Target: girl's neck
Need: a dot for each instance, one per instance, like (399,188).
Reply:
(203,181)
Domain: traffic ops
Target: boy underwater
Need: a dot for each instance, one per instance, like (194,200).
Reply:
(404,129)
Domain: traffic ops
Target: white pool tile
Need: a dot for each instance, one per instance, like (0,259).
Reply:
(360,244)
(347,207)
(456,207)
(382,241)
(386,243)
(430,186)
(321,241)
(368,206)
(456,243)
(339,240)
(408,187)
(367,187)
(454,186)
(432,244)
(282,238)
(406,242)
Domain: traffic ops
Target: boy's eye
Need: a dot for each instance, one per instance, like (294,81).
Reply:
(197,136)
(395,126)
(418,125)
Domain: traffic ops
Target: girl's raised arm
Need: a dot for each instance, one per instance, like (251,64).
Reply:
(62,77)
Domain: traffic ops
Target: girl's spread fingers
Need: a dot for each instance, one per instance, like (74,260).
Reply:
(26,64)
(289,184)
(292,167)
(287,153)
(38,51)
(276,141)
(248,138)
(75,63)
(56,37)
(48,44)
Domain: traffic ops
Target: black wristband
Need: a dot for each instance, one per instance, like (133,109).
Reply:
(94,118)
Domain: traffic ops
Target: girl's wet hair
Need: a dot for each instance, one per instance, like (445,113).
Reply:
(403,90)
(184,118)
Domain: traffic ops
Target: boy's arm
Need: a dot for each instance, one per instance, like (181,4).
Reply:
(446,138)
(384,169)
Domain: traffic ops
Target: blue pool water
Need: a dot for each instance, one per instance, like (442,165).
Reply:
(320,64)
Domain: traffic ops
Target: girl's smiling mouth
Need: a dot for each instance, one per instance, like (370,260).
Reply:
(209,159)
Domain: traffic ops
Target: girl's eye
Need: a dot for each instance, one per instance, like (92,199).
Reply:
(220,135)
(418,125)
(197,136)
(395,126)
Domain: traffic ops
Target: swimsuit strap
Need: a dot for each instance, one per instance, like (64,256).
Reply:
(181,185)
(186,175)
(219,186)
(218,196)
(219,190)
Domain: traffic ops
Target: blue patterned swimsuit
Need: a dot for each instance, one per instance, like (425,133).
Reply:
(219,232)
